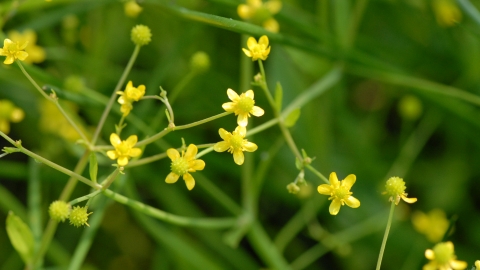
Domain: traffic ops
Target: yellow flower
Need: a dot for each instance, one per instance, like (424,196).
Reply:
(129,95)
(339,192)
(434,224)
(123,149)
(260,13)
(235,143)
(242,106)
(477,264)
(443,257)
(36,54)
(132,9)
(395,187)
(447,12)
(183,165)
(9,113)
(13,50)
(258,50)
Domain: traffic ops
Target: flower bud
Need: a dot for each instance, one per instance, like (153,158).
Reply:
(59,211)
(141,35)
(200,62)
(293,188)
(79,216)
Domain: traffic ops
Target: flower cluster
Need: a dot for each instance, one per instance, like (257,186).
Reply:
(60,211)
(124,150)
(130,95)
(13,50)
(183,165)
(339,192)
(260,13)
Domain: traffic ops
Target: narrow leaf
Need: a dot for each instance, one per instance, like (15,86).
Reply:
(20,236)
(93,167)
(292,118)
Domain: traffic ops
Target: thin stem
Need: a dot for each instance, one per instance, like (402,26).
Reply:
(114,94)
(385,236)
(317,173)
(265,86)
(54,100)
(84,198)
(207,223)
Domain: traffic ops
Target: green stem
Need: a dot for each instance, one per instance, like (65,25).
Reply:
(385,236)
(54,100)
(114,94)
(317,173)
(84,198)
(34,203)
(207,223)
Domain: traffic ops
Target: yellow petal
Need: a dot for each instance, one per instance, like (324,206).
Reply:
(333,179)
(232,95)
(228,106)
(238,157)
(221,146)
(273,6)
(430,266)
(129,85)
(9,60)
(349,181)
(115,140)
(122,161)
(257,111)
(242,131)
(352,202)
(191,152)
(173,154)
(335,207)
(171,178)
(244,12)
(324,189)
(249,94)
(247,52)
(263,41)
(189,181)
(458,264)
(112,154)
(409,200)
(242,120)
(429,254)
(196,165)
(249,146)
(251,43)
(132,140)
(4,126)
(224,134)
(135,152)
(21,55)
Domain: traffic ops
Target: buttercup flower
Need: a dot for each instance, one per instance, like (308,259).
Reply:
(36,54)
(477,264)
(434,224)
(258,50)
(129,95)
(235,143)
(242,106)
(261,13)
(13,50)
(9,113)
(183,165)
(395,187)
(442,257)
(339,192)
(124,150)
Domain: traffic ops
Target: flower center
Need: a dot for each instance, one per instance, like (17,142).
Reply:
(245,104)
(236,141)
(443,254)
(180,166)
(341,193)
(395,186)
(123,148)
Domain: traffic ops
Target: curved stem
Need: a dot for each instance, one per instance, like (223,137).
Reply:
(385,236)
(317,173)
(114,94)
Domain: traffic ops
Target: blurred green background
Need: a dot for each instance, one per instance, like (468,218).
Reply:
(394,112)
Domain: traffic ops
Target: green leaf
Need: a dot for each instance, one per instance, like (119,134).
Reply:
(93,167)
(278,96)
(20,236)
(292,118)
